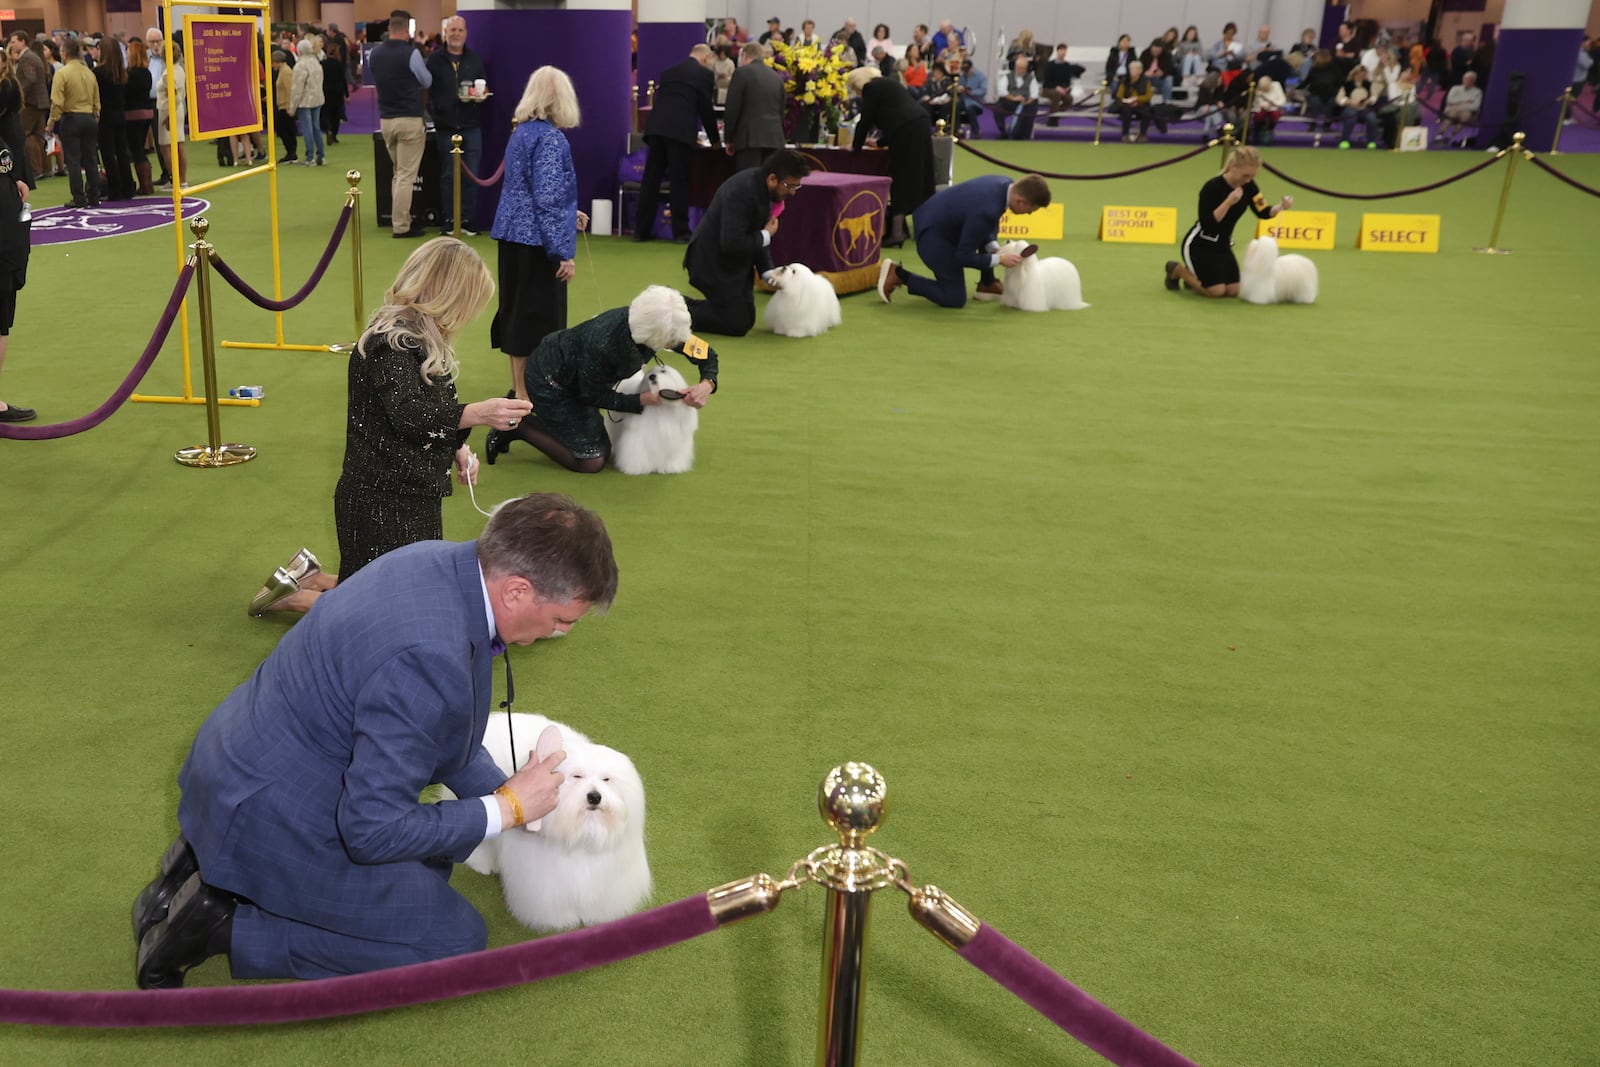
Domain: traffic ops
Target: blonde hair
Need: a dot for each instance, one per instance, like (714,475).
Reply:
(859,78)
(1243,156)
(441,287)
(549,95)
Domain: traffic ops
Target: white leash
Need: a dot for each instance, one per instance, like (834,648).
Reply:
(472,480)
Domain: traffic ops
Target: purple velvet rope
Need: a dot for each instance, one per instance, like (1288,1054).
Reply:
(1083,177)
(129,384)
(1575,183)
(305,290)
(484,183)
(418,983)
(1064,1004)
(1440,184)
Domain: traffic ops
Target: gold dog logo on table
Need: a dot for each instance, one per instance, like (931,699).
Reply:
(858,230)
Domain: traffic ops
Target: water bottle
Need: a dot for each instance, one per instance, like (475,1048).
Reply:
(247,392)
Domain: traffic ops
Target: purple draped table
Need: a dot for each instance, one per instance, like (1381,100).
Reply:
(713,166)
(834,225)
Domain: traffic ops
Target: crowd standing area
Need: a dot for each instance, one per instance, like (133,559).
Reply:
(1219,623)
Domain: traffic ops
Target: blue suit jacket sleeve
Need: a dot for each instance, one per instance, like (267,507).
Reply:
(555,196)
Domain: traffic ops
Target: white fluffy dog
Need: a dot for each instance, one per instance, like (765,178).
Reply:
(660,439)
(805,305)
(1041,283)
(586,862)
(1268,278)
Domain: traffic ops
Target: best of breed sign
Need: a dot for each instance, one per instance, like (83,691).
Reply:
(224,73)
(1399,233)
(1139,225)
(1300,229)
(1046,224)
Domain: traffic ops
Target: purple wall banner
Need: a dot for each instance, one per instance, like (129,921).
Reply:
(224,68)
(663,44)
(1540,63)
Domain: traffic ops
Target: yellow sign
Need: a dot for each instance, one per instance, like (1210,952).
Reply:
(1046,224)
(1300,229)
(1399,233)
(1139,225)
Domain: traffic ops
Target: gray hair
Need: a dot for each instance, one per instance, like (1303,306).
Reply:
(559,547)
(304,47)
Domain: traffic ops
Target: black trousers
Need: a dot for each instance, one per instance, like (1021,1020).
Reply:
(729,310)
(675,160)
(285,126)
(80,143)
(115,158)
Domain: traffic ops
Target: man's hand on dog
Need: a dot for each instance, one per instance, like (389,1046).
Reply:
(538,785)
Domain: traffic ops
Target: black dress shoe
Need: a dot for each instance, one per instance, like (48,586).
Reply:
(497,442)
(12,413)
(1172,281)
(197,927)
(154,900)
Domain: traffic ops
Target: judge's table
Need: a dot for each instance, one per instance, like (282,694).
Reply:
(834,225)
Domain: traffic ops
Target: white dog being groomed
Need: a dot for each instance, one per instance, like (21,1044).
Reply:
(660,439)
(1265,277)
(585,864)
(1041,283)
(805,305)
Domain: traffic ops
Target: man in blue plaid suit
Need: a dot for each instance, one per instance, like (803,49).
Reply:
(304,851)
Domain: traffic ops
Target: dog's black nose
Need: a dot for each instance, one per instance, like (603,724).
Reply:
(594,798)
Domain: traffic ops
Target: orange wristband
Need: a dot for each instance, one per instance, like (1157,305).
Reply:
(516,805)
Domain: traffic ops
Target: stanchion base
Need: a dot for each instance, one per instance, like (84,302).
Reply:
(1493,251)
(223,456)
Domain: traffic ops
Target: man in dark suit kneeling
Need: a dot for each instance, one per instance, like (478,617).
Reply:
(685,100)
(735,235)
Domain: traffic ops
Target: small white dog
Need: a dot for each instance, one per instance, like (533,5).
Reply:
(660,439)
(1265,277)
(586,863)
(1041,283)
(805,305)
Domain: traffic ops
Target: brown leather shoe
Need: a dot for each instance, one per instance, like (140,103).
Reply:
(888,280)
(989,291)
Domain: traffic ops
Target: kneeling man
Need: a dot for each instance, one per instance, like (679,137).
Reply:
(957,230)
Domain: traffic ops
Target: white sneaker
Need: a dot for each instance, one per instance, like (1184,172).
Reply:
(888,281)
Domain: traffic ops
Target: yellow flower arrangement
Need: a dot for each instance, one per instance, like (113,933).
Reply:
(814,82)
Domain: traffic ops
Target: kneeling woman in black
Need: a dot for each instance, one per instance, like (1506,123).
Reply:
(1208,266)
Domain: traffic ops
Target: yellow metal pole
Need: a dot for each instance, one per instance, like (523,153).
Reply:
(1561,120)
(354,178)
(1227,143)
(214,453)
(635,110)
(650,93)
(1249,111)
(1514,151)
(1101,113)
(455,151)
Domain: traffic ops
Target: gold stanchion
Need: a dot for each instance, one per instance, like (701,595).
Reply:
(1561,120)
(214,453)
(650,93)
(1515,150)
(1227,142)
(455,189)
(635,109)
(353,199)
(938,128)
(1100,114)
(1249,111)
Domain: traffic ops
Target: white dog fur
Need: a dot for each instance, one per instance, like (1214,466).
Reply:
(660,439)
(1041,283)
(1265,277)
(586,863)
(805,305)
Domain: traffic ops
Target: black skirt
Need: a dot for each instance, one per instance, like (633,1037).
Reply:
(532,302)
(910,167)
(1211,260)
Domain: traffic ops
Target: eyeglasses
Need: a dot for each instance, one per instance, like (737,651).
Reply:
(791,184)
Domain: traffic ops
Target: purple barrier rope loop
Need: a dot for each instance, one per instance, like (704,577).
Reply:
(1083,177)
(129,384)
(355,994)
(1441,183)
(1575,183)
(317,272)
(1076,1012)
(484,183)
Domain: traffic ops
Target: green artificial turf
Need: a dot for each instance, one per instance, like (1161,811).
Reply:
(1238,662)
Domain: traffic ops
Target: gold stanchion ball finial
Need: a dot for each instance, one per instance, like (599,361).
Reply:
(1516,141)
(353,177)
(455,142)
(853,800)
(198,226)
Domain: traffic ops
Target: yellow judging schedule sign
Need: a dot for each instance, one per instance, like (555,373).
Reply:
(224,75)
(1139,225)
(1300,229)
(1399,233)
(1046,224)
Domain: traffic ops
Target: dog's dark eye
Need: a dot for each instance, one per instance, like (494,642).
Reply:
(577,776)
(607,778)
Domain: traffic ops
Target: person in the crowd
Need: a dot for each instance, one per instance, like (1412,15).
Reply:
(957,231)
(75,120)
(455,68)
(1461,106)
(303,850)
(1016,100)
(1261,48)
(684,104)
(881,39)
(1322,85)
(335,88)
(283,120)
(11,110)
(1190,54)
(1056,86)
(111,76)
(1270,100)
(574,374)
(34,78)
(753,118)
(937,93)
(1397,100)
(774,31)
(305,102)
(1158,68)
(942,38)
(401,77)
(1359,99)
(808,35)
(139,113)
(734,236)
(723,64)
(1580,75)
(1208,266)
(14,187)
(902,127)
(1462,54)
(914,70)
(1226,49)
(1302,51)
(1132,95)
(852,38)
(537,222)
(404,429)
(1119,58)
(1021,45)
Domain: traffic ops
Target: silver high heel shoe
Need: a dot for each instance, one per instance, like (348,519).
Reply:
(279,587)
(301,566)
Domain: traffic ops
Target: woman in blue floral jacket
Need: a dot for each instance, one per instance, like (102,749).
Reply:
(537,222)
